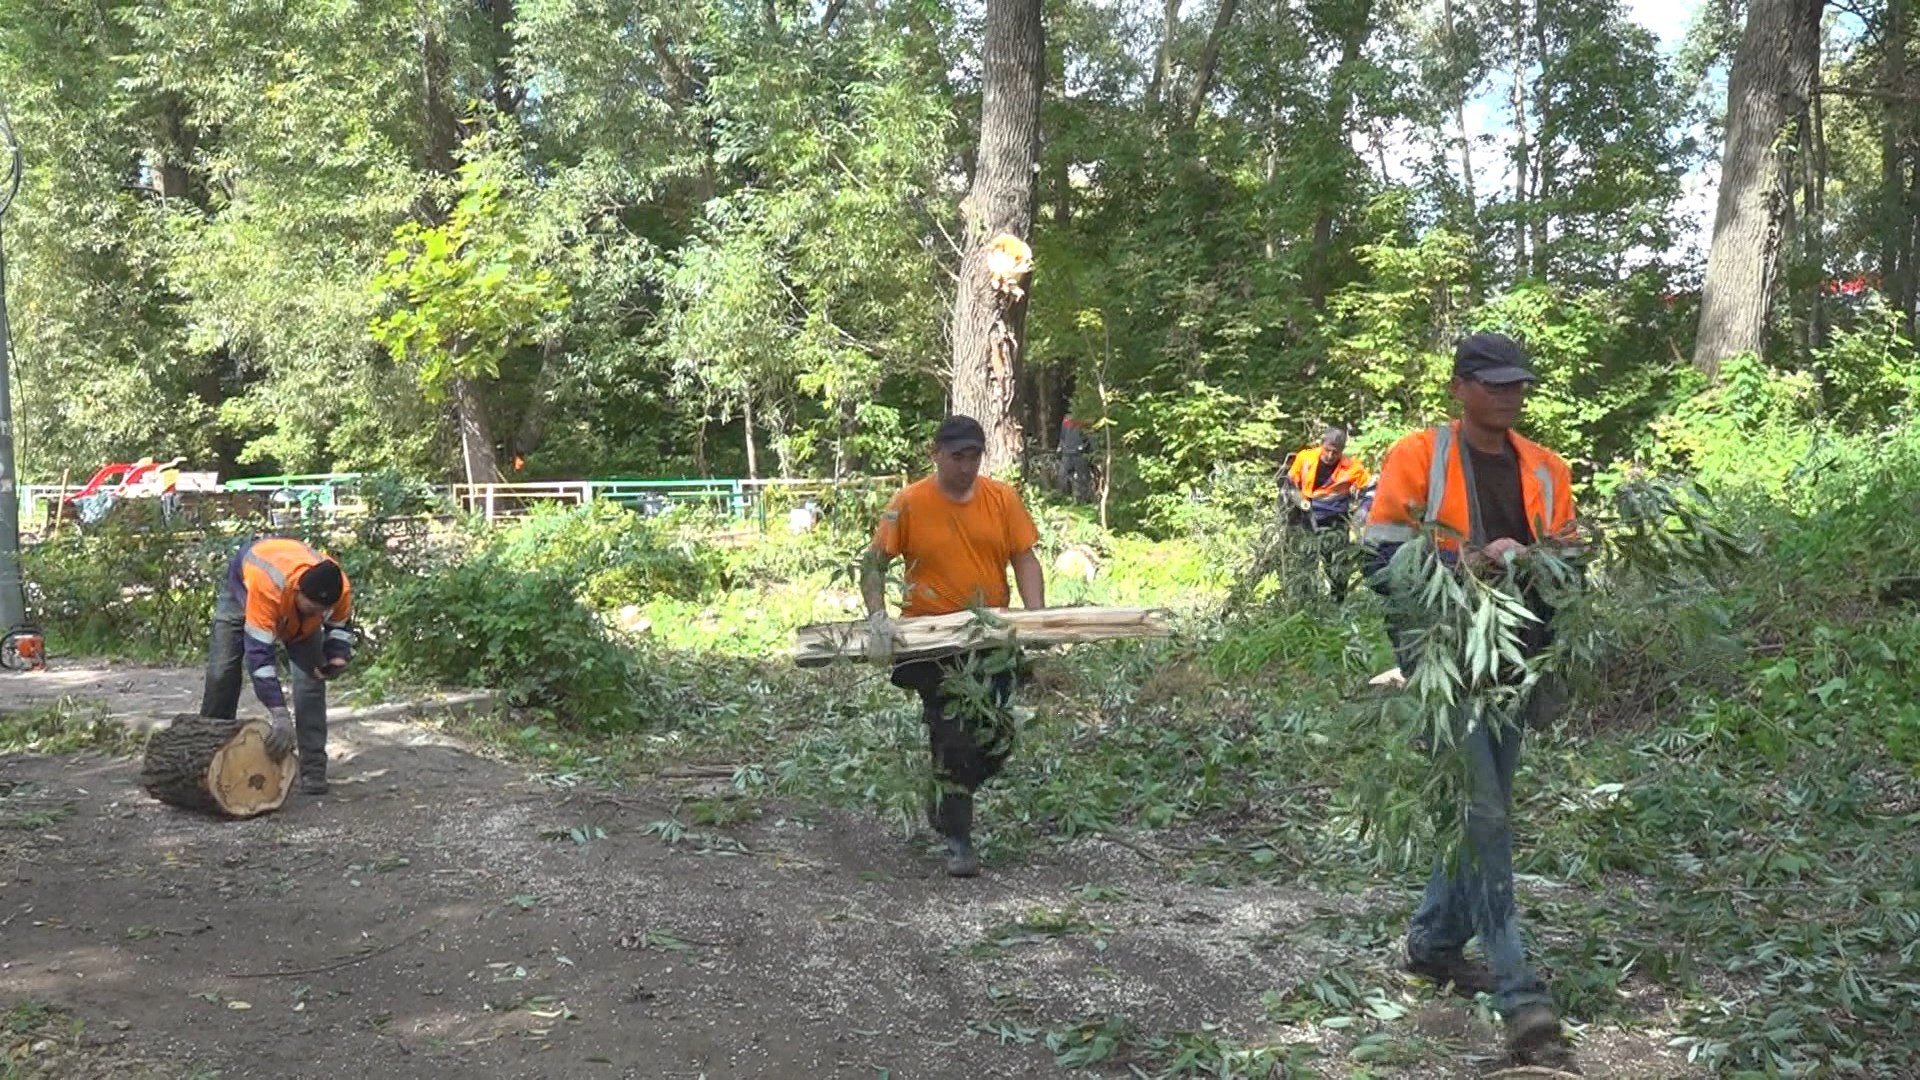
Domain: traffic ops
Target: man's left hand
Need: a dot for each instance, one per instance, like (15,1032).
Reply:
(333,668)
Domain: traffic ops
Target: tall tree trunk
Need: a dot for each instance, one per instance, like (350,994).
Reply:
(989,326)
(1517,98)
(442,139)
(1813,217)
(1163,62)
(753,448)
(1896,123)
(1353,37)
(1910,301)
(506,90)
(1465,138)
(1771,77)
(1209,61)
(476,439)
(1543,150)
(843,458)
(533,422)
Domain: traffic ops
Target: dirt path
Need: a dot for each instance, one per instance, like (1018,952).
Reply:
(446,915)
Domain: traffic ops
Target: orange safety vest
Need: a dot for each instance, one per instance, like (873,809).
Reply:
(1426,480)
(1349,476)
(270,571)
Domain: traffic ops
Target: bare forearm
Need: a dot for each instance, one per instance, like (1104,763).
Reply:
(873,581)
(1031,582)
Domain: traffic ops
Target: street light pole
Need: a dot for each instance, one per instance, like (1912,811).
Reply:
(13,598)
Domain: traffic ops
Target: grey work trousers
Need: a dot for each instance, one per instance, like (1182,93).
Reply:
(226,671)
(1470,892)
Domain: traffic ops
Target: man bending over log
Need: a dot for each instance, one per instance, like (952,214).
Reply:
(279,591)
(957,532)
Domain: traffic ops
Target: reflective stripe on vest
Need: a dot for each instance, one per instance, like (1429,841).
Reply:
(273,572)
(1544,476)
(1437,472)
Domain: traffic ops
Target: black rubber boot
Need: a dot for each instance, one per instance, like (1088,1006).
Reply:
(956,824)
(313,778)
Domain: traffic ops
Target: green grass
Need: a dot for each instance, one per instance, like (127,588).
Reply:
(67,726)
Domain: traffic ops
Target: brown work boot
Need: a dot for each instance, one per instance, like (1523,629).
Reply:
(1453,969)
(1535,1037)
(314,782)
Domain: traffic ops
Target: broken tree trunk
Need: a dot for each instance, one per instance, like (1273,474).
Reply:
(927,636)
(222,766)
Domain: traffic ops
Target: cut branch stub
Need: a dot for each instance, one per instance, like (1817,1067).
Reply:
(1009,261)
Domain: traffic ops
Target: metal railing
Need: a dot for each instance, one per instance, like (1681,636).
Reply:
(337,494)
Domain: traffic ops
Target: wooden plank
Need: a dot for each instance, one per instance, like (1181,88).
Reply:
(938,635)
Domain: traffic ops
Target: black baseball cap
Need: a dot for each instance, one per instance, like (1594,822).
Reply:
(1491,358)
(960,433)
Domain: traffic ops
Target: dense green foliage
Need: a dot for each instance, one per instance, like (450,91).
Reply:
(718,238)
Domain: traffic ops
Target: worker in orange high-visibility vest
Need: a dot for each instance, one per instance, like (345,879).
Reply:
(1321,490)
(280,592)
(1488,495)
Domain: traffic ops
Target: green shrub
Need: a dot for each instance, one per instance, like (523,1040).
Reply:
(116,592)
(614,556)
(519,631)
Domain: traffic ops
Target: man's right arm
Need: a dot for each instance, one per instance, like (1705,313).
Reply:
(873,578)
(889,540)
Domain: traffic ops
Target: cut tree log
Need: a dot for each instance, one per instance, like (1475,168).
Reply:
(927,636)
(220,766)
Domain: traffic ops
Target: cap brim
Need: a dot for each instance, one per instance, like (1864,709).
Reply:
(1505,376)
(963,442)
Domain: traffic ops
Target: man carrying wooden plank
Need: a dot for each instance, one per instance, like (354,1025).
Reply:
(279,591)
(957,532)
(1488,496)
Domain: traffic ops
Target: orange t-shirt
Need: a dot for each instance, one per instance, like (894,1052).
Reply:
(956,553)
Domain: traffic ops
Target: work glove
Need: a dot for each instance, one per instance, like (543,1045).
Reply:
(880,633)
(280,734)
(332,669)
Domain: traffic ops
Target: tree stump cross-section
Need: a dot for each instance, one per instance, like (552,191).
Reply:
(217,766)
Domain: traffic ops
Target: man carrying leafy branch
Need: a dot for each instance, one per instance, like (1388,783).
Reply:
(958,532)
(1491,500)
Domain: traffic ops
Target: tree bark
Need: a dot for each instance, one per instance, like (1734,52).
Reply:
(1813,217)
(1772,75)
(1163,62)
(1543,152)
(476,437)
(1897,238)
(1461,84)
(1209,61)
(506,90)
(533,422)
(753,447)
(989,326)
(442,139)
(1517,98)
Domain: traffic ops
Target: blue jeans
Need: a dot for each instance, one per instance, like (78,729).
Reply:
(1470,893)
